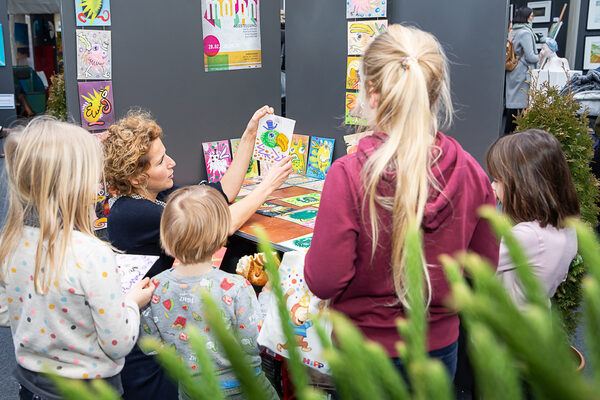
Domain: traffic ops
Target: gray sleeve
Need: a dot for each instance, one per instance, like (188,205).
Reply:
(529,50)
(248,317)
(148,327)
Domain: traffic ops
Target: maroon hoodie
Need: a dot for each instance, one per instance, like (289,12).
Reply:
(338,265)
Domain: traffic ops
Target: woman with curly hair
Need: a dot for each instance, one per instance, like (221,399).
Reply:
(138,168)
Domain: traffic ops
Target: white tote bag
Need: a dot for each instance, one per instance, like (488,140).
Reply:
(302,306)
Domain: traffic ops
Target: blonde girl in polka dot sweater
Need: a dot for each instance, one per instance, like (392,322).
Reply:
(60,290)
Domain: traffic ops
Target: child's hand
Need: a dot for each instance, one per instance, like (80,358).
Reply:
(141,292)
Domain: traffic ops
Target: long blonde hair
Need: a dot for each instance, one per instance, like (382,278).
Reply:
(407,70)
(53,172)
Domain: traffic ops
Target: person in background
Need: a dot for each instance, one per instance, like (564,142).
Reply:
(533,182)
(516,84)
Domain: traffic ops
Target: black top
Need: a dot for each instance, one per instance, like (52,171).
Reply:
(134,227)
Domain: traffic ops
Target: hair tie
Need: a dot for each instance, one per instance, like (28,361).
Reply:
(405,62)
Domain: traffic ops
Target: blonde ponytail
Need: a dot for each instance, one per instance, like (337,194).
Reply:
(407,70)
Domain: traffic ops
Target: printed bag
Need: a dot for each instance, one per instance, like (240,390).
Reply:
(302,306)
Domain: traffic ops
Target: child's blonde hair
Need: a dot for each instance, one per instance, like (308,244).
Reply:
(53,172)
(408,70)
(194,224)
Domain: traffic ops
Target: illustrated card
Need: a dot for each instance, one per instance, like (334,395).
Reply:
(252,167)
(353,110)
(273,140)
(301,243)
(316,185)
(361,33)
(298,152)
(366,8)
(217,158)
(92,12)
(96,105)
(305,216)
(132,268)
(308,199)
(352,73)
(320,157)
(297,180)
(271,209)
(94,55)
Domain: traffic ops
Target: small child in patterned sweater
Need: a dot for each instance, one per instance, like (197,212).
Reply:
(194,225)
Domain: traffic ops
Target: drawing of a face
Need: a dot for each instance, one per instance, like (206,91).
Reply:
(297,151)
(217,161)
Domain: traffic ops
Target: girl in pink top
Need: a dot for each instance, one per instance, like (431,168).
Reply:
(533,182)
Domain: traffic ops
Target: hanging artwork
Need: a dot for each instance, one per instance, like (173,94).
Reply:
(231,31)
(252,170)
(96,105)
(301,243)
(353,110)
(320,157)
(361,33)
(273,139)
(352,73)
(541,11)
(366,8)
(298,152)
(309,199)
(94,59)
(591,53)
(217,158)
(92,12)
(593,21)
(305,216)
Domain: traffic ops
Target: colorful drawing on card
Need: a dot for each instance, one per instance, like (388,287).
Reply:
(320,157)
(271,209)
(309,199)
(316,185)
(301,243)
(231,33)
(273,139)
(252,167)
(298,152)
(132,268)
(305,216)
(92,12)
(94,59)
(217,158)
(353,73)
(353,110)
(366,8)
(96,105)
(295,180)
(361,33)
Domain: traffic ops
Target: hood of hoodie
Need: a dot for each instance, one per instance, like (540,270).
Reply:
(447,172)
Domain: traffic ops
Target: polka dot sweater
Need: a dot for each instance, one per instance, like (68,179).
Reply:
(83,327)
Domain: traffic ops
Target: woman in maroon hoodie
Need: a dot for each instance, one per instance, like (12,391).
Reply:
(406,173)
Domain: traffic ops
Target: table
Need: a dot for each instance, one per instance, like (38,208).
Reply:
(244,241)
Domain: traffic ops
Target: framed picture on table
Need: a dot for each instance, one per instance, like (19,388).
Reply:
(593,21)
(591,52)
(541,11)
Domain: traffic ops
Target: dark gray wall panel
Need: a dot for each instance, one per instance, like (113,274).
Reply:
(158,65)
(6,76)
(471,31)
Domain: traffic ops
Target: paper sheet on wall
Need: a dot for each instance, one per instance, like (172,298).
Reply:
(92,12)
(96,105)
(273,140)
(231,32)
(132,268)
(361,33)
(94,54)
(366,8)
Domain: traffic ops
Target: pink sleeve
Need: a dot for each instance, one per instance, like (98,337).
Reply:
(329,263)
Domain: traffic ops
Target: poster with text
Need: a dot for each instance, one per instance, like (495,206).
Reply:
(94,57)
(231,33)
(92,12)
(96,105)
